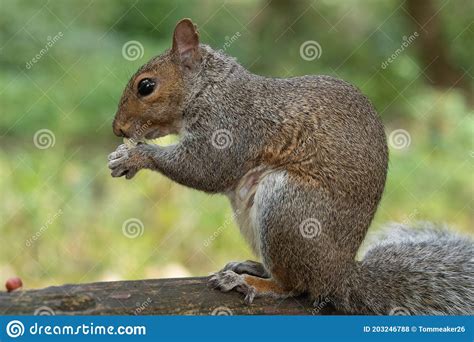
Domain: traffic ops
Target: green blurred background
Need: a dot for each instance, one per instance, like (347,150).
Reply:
(61,214)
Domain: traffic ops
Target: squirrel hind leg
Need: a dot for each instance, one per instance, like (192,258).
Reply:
(248,267)
(251,286)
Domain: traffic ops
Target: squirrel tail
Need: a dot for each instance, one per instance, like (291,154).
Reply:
(423,270)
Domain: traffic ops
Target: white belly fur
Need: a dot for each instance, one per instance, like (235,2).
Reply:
(245,200)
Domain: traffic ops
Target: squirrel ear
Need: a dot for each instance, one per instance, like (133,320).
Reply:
(186,43)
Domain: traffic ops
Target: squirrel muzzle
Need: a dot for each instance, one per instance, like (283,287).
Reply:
(120,129)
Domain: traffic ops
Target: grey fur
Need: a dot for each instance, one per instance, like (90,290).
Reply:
(306,154)
(247,267)
(422,270)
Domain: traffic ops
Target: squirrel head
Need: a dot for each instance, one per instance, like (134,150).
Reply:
(152,103)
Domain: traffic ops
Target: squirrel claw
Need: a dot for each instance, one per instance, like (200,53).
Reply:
(126,161)
(229,280)
(225,280)
(249,297)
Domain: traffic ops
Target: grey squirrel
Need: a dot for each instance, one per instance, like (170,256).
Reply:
(303,161)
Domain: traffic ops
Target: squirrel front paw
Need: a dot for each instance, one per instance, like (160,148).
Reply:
(127,161)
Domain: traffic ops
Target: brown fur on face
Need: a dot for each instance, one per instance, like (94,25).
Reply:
(159,113)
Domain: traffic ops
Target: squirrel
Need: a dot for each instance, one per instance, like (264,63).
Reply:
(303,161)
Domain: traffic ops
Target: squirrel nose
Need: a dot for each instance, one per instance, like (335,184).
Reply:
(118,129)
(122,128)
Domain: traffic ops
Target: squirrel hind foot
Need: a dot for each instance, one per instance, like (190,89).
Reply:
(247,267)
(249,285)
(226,281)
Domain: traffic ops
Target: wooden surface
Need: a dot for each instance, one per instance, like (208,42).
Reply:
(183,296)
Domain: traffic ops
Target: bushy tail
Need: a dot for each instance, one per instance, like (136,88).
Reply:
(424,270)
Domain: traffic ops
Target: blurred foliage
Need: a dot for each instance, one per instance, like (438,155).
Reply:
(64,195)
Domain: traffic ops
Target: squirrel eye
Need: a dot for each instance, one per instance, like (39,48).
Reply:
(146,86)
